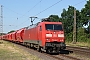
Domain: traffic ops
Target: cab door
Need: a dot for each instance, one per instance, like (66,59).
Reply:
(40,35)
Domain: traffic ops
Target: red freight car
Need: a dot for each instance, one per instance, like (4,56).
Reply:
(10,36)
(45,35)
(19,35)
(0,37)
(14,36)
(3,37)
(7,38)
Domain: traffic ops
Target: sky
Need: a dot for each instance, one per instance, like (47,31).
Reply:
(17,13)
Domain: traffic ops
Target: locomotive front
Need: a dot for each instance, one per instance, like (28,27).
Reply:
(54,37)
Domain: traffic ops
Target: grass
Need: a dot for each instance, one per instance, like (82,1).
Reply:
(79,44)
(9,51)
(79,56)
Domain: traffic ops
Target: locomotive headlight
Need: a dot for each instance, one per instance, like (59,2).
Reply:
(48,35)
(60,35)
(47,39)
(62,40)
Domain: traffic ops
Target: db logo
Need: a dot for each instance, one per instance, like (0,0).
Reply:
(54,35)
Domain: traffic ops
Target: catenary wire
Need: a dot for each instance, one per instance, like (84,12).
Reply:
(50,7)
(45,9)
(32,8)
(74,4)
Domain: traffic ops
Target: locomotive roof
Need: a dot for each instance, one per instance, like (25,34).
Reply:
(32,26)
(35,25)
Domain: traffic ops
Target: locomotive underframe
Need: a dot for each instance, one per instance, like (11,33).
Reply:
(50,47)
(54,47)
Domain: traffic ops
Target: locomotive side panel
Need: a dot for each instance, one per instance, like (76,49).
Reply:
(30,36)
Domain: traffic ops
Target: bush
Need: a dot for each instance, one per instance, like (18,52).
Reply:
(68,37)
(81,36)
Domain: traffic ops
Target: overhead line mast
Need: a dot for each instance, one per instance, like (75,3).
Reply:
(74,27)
(1,20)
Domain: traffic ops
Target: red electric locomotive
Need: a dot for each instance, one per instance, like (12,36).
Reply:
(45,35)
(48,36)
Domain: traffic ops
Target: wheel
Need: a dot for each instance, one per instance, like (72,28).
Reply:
(39,48)
(49,50)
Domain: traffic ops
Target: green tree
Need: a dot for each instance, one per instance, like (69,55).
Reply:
(11,31)
(85,13)
(67,19)
(54,18)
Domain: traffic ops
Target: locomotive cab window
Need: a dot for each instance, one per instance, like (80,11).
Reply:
(53,27)
(40,28)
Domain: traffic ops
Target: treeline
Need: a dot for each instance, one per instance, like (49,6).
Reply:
(82,20)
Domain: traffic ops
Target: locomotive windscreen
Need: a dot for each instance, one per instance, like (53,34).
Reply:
(53,27)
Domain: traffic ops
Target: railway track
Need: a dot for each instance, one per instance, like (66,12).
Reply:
(87,50)
(80,51)
(46,56)
(65,57)
(64,54)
